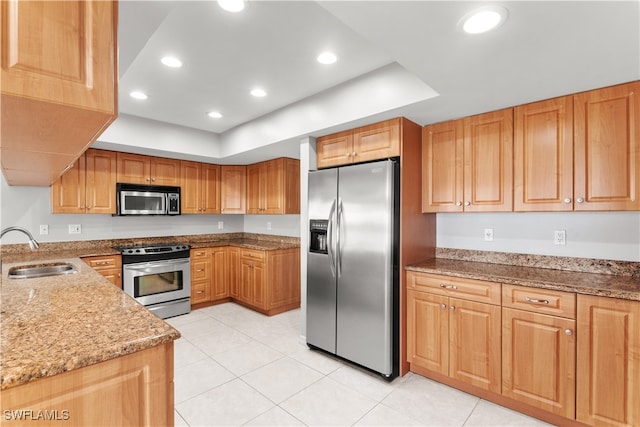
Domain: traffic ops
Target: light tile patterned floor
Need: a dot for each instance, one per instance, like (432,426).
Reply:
(237,367)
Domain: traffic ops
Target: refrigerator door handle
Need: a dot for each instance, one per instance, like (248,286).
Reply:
(339,245)
(330,226)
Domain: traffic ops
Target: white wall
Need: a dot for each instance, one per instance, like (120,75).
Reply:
(602,235)
(281,225)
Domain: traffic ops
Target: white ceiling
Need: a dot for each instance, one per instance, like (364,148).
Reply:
(545,49)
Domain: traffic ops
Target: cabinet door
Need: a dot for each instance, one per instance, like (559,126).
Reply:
(165,171)
(219,282)
(608,369)
(376,141)
(190,190)
(210,188)
(134,168)
(233,271)
(274,194)
(100,182)
(442,167)
(543,156)
(488,162)
(245,282)
(233,189)
(283,281)
(538,364)
(256,188)
(259,284)
(607,148)
(68,193)
(474,343)
(428,331)
(292,186)
(333,150)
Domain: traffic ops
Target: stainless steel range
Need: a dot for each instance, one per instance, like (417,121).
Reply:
(159,277)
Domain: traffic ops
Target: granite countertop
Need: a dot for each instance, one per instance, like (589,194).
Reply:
(55,324)
(600,284)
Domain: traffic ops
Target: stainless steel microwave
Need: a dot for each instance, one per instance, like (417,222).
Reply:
(133,199)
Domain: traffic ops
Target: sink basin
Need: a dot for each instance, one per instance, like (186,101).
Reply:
(41,270)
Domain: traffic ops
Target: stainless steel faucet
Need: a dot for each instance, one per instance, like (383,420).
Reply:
(32,242)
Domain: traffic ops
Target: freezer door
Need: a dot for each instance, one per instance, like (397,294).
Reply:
(321,278)
(365,265)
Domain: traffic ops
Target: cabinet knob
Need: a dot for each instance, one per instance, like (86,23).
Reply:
(153,179)
(443,306)
(199,292)
(568,332)
(458,203)
(580,200)
(148,179)
(200,271)
(467,203)
(567,200)
(348,155)
(354,154)
(452,308)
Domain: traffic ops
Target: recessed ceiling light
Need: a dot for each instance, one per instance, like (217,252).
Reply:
(483,19)
(215,115)
(327,58)
(231,5)
(259,93)
(138,95)
(172,62)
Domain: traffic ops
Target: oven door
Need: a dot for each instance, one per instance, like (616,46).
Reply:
(158,281)
(142,203)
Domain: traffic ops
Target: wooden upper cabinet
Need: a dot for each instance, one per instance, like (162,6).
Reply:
(468,164)
(58,82)
(273,187)
(140,169)
(89,186)
(608,366)
(607,148)
(200,188)
(543,156)
(233,189)
(372,142)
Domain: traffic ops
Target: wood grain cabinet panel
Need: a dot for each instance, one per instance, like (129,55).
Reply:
(608,366)
(199,188)
(607,148)
(58,84)
(428,331)
(334,150)
(149,170)
(468,164)
(543,156)
(233,189)
(89,186)
(273,187)
(109,266)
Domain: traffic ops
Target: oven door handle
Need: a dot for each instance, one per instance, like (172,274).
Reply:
(152,264)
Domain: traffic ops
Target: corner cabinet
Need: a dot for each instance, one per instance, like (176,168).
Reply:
(89,186)
(58,83)
(468,164)
(273,187)
(376,141)
(608,381)
(200,188)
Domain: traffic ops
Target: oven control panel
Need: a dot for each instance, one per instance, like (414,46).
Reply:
(148,250)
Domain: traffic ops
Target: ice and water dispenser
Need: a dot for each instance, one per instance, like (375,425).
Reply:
(318,240)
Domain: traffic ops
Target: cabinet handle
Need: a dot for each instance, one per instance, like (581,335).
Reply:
(119,274)
(567,200)
(458,203)
(443,306)
(354,154)
(580,200)
(153,179)
(536,301)
(348,155)
(102,262)
(200,271)
(568,332)
(452,308)
(445,286)
(148,179)
(199,292)
(467,203)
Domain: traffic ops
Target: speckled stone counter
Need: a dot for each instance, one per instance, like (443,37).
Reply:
(55,324)
(613,279)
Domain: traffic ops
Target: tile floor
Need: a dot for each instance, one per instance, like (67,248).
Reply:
(236,367)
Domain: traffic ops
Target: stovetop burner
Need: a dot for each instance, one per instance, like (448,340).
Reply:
(147,249)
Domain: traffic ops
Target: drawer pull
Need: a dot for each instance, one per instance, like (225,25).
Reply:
(568,332)
(102,262)
(445,286)
(443,306)
(536,301)
(199,292)
(200,270)
(452,308)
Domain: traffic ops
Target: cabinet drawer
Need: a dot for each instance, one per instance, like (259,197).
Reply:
(104,263)
(199,270)
(475,290)
(199,292)
(537,300)
(199,253)
(253,254)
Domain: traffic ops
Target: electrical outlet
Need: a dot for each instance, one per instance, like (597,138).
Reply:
(268,226)
(75,229)
(488,234)
(220,225)
(560,237)
(44,229)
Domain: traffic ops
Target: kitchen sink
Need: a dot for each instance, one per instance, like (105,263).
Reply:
(41,270)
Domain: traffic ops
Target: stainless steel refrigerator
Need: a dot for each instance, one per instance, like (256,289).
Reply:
(352,264)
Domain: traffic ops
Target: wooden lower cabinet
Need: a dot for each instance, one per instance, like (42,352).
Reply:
(266,281)
(608,378)
(109,266)
(136,389)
